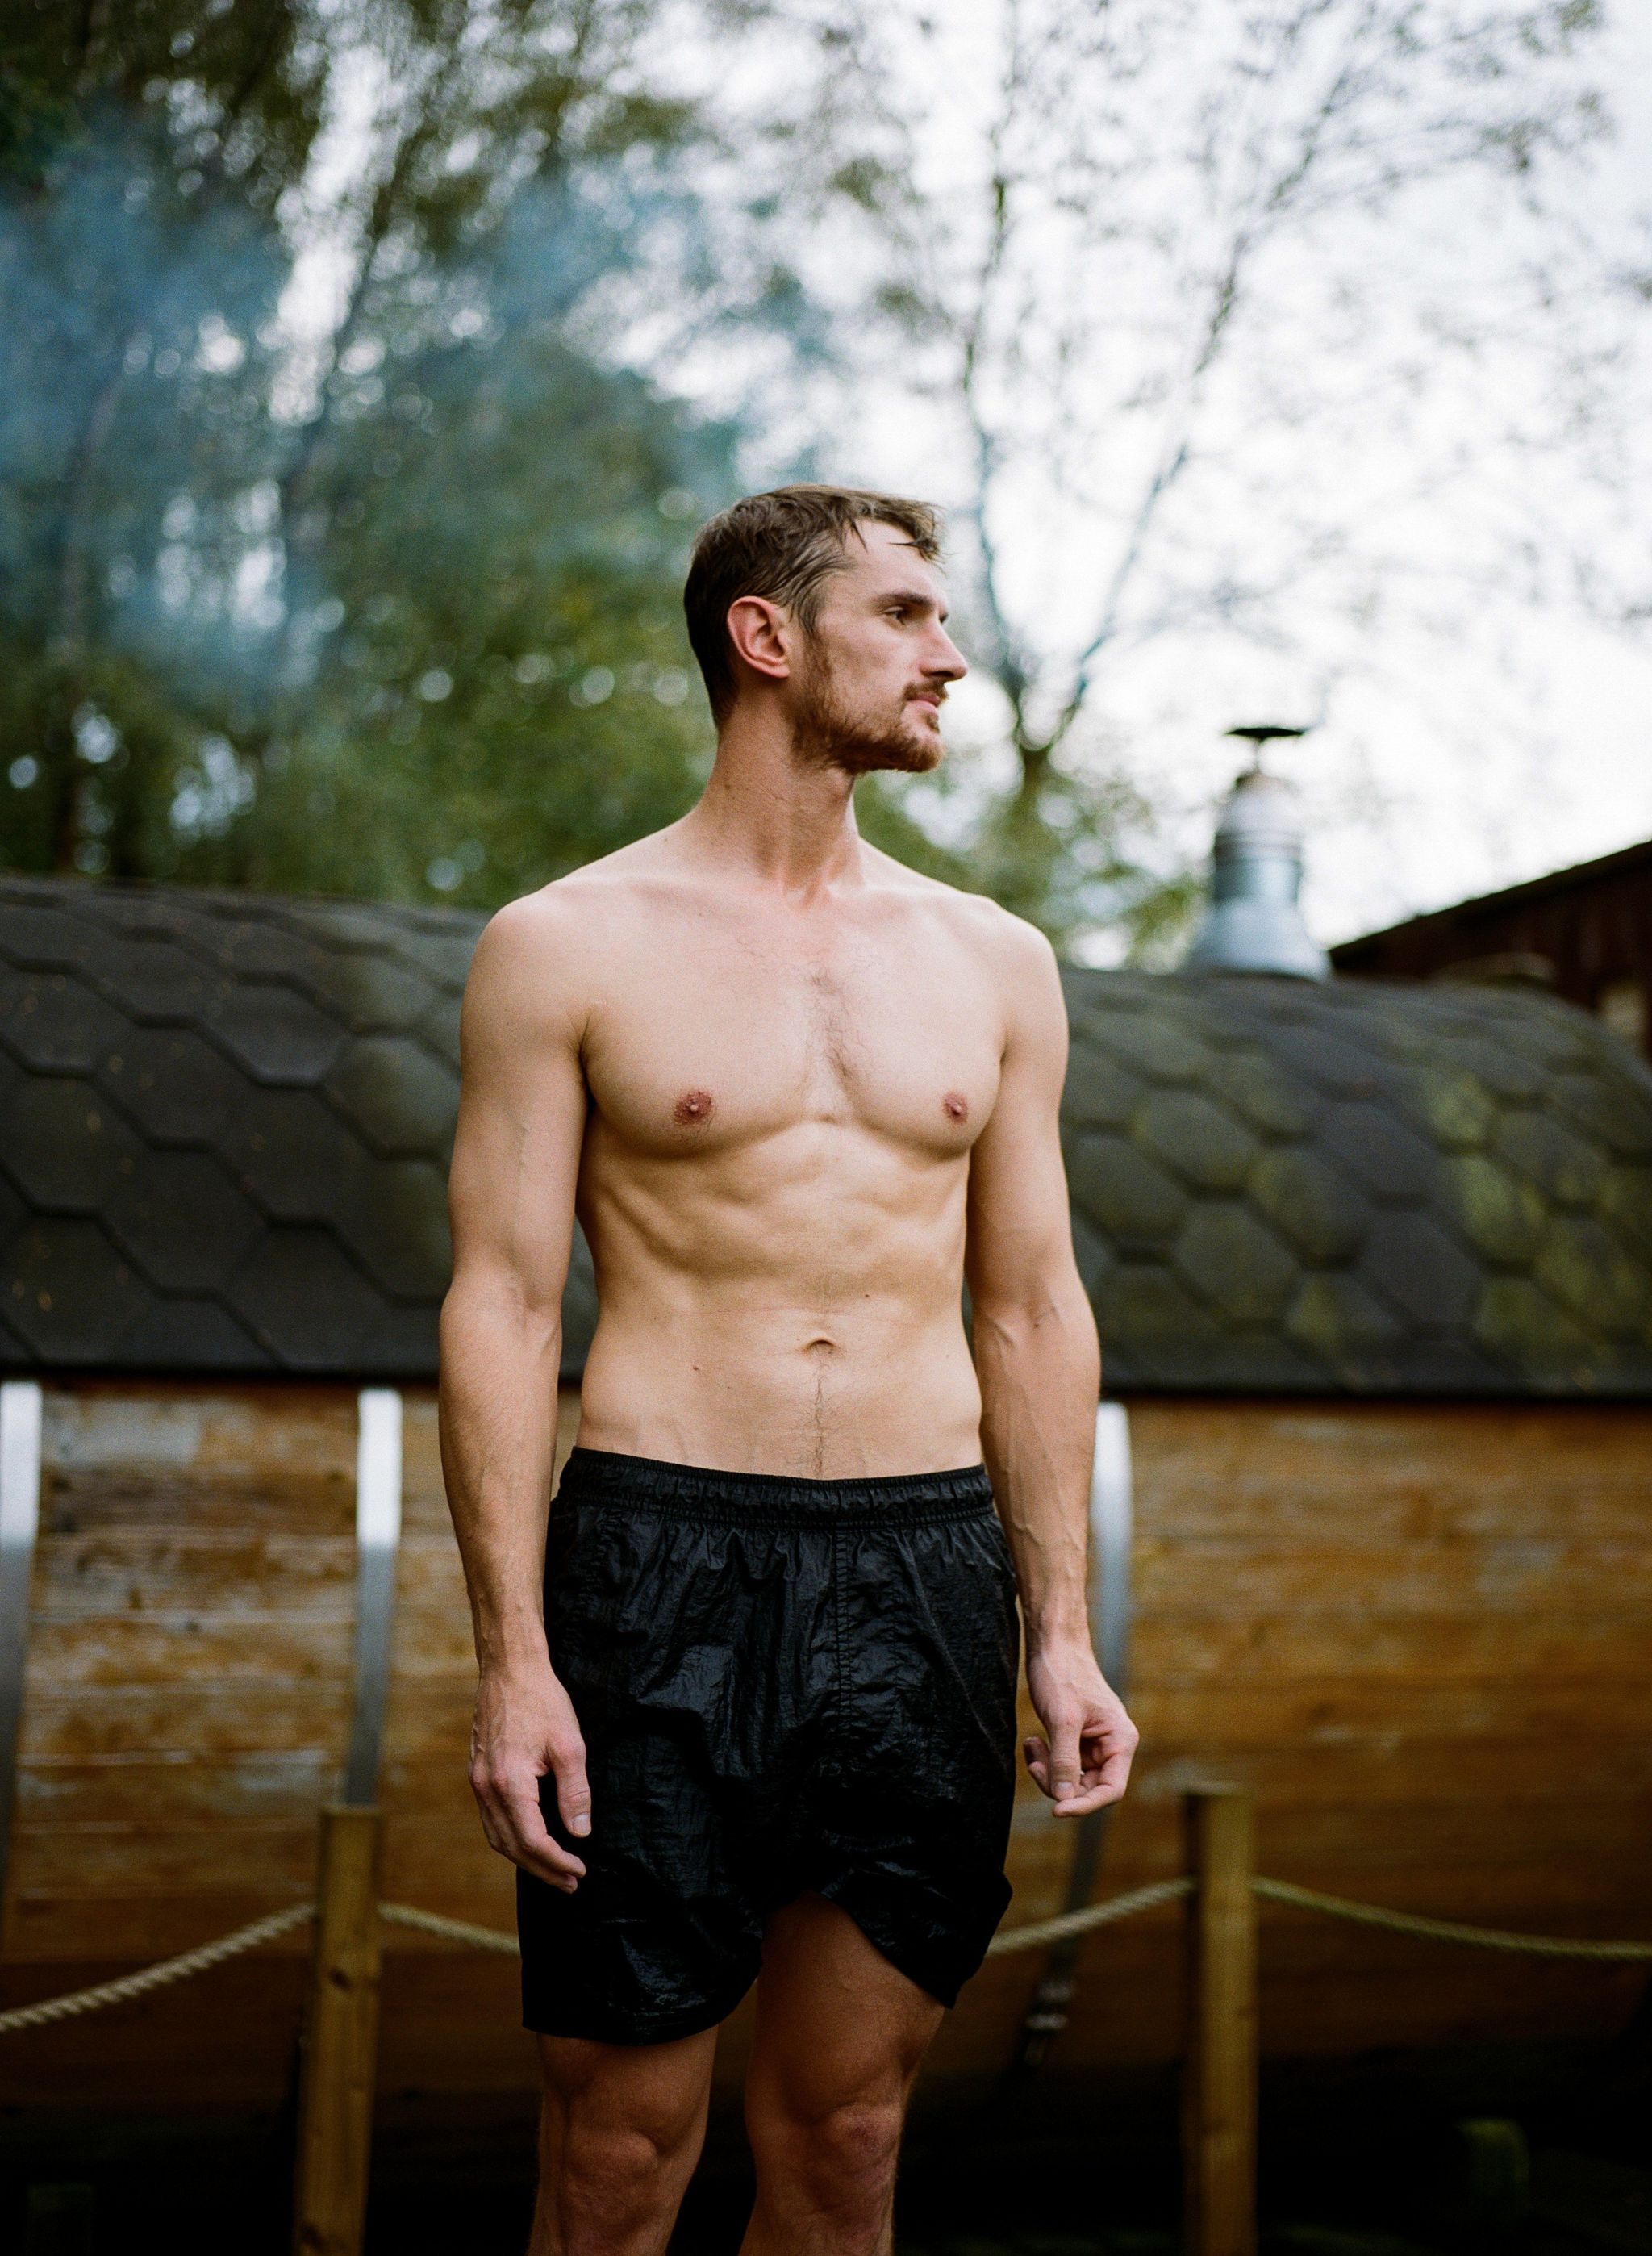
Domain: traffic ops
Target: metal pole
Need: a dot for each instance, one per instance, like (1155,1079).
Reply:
(336,2101)
(20,1429)
(1111,1528)
(1219,2091)
(378,1535)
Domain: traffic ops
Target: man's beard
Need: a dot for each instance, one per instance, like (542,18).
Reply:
(828,733)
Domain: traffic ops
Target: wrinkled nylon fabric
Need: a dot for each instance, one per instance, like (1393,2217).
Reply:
(784,1685)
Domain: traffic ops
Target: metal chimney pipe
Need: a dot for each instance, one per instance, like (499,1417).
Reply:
(1254,922)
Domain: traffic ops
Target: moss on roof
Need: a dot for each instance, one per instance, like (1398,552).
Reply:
(225,1120)
(1369,1187)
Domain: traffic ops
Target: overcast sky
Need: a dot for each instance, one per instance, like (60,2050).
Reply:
(1469,766)
(1457,762)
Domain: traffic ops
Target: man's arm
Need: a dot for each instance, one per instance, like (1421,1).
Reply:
(510,1194)
(1040,1369)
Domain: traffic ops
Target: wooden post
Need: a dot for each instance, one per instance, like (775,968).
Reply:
(336,2092)
(1219,2091)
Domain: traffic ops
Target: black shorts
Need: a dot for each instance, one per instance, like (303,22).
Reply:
(784,1685)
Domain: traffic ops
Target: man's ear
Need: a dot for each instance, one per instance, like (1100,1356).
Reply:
(757,629)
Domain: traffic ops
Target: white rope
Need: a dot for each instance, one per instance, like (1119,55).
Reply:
(451,1930)
(1030,1937)
(157,1977)
(1068,1923)
(1450,1930)
(1017,1938)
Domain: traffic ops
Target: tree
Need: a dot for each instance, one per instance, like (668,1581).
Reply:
(1214,300)
(142,158)
(343,505)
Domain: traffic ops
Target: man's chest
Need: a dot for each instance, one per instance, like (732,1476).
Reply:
(715,1038)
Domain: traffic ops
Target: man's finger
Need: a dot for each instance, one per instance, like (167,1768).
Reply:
(573,1790)
(527,1840)
(540,1853)
(491,1832)
(1115,1771)
(1093,1797)
(1110,1752)
(1066,1761)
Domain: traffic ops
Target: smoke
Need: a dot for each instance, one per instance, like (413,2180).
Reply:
(200,590)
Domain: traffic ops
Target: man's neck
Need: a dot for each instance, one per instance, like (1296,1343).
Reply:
(785,821)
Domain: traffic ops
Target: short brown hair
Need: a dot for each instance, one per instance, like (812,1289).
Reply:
(783,546)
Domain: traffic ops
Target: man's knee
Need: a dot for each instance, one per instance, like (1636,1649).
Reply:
(611,2176)
(617,2170)
(837,2157)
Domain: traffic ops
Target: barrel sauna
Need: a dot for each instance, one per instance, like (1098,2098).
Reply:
(1372,1266)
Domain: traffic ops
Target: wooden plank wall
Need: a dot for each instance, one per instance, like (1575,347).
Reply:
(1421,1635)
(186,1713)
(185,1705)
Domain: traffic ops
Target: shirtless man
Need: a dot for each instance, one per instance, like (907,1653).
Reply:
(746,1698)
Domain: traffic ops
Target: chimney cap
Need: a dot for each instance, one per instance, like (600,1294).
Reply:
(1253,922)
(1258,733)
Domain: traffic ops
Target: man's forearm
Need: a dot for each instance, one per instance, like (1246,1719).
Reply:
(500,1364)
(1040,1372)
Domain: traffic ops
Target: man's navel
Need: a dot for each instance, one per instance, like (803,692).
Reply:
(693,1108)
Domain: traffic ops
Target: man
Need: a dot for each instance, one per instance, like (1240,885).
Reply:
(748,1707)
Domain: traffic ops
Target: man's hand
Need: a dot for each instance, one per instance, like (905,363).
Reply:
(525,1726)
(1084,1762)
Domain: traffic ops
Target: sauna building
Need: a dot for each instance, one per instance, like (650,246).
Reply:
(1373,1265)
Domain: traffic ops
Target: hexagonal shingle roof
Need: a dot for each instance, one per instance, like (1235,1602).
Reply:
(1364,1187)
(225,1121)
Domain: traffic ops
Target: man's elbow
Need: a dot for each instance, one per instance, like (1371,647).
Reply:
(493,1310)
(1033,1312)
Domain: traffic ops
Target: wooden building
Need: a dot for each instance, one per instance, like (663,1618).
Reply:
(1586,932)
(1373,1264)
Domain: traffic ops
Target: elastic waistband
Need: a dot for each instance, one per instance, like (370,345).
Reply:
(771,1499)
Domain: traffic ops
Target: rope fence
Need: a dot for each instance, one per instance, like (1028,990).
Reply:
(1450,1930)
(165,1971)
(451,1930)
(1035,1936)
(1066,1924)
(1220,1939)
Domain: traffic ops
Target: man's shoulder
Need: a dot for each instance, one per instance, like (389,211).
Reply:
(977,921)
(559,913)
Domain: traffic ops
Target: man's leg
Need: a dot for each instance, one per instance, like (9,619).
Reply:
(840,2035)
(619,2137)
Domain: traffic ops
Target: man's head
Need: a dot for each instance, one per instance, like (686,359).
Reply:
(828,601)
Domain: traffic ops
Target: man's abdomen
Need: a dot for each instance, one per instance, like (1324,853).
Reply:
(835,1395)
(790,1308)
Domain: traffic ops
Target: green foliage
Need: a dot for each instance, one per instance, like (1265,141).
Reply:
(1052,851)
(391,606)
(406,622)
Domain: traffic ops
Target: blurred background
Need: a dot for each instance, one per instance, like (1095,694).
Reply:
(369,366)
(366,368)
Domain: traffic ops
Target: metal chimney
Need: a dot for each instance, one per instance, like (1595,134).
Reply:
(1252,923)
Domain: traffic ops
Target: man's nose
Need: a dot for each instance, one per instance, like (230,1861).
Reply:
(946,659)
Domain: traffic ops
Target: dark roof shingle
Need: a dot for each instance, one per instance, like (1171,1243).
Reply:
(1417,1191)
(225,1122)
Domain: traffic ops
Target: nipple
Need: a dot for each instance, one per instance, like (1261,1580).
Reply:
(954,1106)
(694,1107)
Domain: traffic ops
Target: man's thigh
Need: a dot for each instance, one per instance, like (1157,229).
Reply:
(837,2024)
